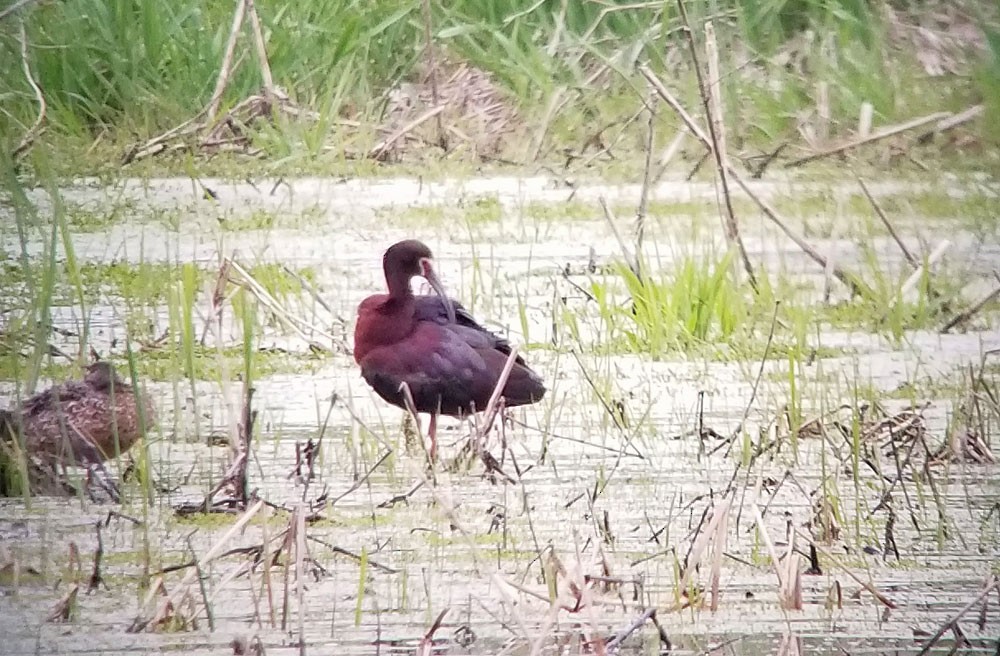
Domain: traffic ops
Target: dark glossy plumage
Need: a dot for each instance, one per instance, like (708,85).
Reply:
(450,368)
(451,364)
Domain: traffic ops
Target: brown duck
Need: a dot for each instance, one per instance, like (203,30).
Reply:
(81,422)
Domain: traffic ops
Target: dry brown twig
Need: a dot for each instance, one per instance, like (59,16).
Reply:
(914,263)
(987,589)
(207,122)
(380,150)
(870,587)
(953,121)
(169,604)
(962,317)
(876,136)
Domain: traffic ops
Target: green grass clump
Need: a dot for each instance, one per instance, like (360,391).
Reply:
(125,71)
(695,302)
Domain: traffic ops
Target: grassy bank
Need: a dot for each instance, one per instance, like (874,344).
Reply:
(562,87)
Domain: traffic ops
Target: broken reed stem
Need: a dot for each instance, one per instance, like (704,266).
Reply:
(711,98)
(29,137)
(640,215)
(952,622)
(493,406)
(854,283)
(300,555)
(214,551)
(298,325)
(201,586)
(258,39)
(712,532)
(379,150)
(222,81)
(877,136)
(888,226)
(952,121)
(885,601)
(432,65)
(762,529)
(630,258)
(962,317)
(932,259)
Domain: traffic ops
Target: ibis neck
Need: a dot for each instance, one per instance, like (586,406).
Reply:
(399,285)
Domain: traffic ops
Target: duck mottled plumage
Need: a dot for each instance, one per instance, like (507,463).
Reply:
(78,421)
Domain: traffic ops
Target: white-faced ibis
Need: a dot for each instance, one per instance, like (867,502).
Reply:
(81,422)
(449,362)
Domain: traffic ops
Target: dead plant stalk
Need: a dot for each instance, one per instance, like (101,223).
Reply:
(848,279)
(711,98)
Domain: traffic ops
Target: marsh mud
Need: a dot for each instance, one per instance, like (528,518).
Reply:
(612,477)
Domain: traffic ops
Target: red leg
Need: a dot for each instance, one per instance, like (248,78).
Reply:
(432,433)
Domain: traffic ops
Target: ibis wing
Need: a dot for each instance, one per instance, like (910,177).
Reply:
(443,372)
(448,368)
(431,308)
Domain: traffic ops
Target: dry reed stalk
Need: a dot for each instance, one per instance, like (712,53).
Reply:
(297,324)
(493,407)
(381,149)
(631,258)
(206,120)
(789,573)
(790,645)
(222,79)
(182,589)
(267,558)
(882,599)
(432,66)
(932,259)
(952,122)
(953,622)
(716,131)
(964,316)
(714,534)
(217,300)
(876,136)
(426,645)
(29,137)
(865,119)
(647,173)
(914,263)
(848,279)
(258,41)
(301,552)
(791,595)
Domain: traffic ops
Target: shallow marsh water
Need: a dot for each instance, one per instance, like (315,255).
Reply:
(469,543)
